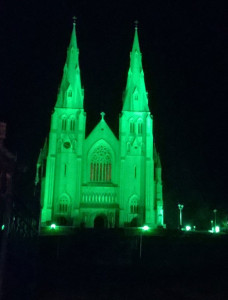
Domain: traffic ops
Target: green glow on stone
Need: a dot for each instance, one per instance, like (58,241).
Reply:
(188,228)
(145,228)
(3,227)
(130,168)
(53,226)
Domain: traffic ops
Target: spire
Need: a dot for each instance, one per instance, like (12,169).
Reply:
(102,115)
(136,39)
(135,95)
(73,40)
(71,93)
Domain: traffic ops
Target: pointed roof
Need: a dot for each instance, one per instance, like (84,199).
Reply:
(135,46)
(135,95)
(73,39)
(102,131)
(71,94)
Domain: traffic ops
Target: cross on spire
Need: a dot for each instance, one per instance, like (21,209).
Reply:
(74,20)
(102,115)
(136,24)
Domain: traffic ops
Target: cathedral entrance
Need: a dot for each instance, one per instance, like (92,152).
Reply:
(62,221)
(100,221)
(134,222)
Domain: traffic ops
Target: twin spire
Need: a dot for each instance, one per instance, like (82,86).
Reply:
(135,95)
(71,94)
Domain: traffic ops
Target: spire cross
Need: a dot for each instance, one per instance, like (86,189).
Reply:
(102,115)
(136,24)
(74,20)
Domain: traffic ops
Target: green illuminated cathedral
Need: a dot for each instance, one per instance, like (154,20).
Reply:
(99,179)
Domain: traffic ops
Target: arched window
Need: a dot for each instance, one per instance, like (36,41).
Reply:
(140,128)
(101,166)
(69,94)
(64,123)
(132,127)
(63,204)
(72,124)
(134,208)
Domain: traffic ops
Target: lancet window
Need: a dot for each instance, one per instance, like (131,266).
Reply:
(134,208)
(140,128)
(63,204)
(69,94)
(132,127)
(101,165)
(72,124)
(64,123)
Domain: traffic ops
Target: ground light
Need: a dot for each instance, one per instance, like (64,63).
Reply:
(188,228)
(217,229)
(53,226)
(145,228)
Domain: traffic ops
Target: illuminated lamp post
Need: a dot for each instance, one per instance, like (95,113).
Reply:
(215,211)
(180,206)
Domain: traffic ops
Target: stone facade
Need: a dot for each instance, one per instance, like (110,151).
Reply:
(99,179)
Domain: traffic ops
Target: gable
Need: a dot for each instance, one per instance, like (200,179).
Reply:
(101,132)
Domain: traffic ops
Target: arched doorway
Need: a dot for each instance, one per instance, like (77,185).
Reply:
(100,221)
(134,222)
(62,221)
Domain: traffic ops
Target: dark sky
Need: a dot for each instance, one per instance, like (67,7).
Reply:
(185,65)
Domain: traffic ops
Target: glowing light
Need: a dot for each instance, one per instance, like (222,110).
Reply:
(53,226)
(145,228)
(188,228)
(217,229)
(3,227)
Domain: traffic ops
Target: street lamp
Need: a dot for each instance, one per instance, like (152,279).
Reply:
(180,206)
(215,211)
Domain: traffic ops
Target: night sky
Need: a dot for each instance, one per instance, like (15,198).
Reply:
(185,67)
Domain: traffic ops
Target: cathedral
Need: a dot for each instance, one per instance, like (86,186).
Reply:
(100,180)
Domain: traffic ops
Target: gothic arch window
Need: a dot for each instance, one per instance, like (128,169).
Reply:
(132,126)
(69,94)
(63,204)
(140,127)
(101,165)
(135,94)
(64,123)
(134,208)
(72,124)
(128,147)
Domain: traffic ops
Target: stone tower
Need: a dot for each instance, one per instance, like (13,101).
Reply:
(137,170)
(86,180)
